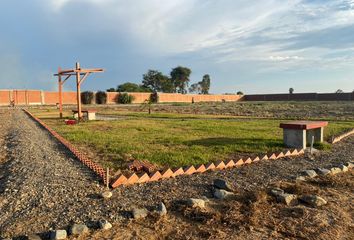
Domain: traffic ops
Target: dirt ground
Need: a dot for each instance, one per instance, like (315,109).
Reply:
(42,186)
(282,110)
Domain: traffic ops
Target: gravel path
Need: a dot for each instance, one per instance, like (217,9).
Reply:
(42,186)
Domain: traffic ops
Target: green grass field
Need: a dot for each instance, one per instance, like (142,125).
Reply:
(174,139)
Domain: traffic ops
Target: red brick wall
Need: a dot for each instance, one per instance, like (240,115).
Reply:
(51,98)
(34,97)
(175,97)
(4,97)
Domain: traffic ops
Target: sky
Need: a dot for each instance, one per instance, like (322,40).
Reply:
(254,46)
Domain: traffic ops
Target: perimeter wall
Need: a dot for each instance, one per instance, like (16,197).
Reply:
(38,97)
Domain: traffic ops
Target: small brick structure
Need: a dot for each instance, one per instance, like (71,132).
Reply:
(89,114)
(298,134)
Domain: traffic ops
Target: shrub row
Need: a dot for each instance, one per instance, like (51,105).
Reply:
(123,98)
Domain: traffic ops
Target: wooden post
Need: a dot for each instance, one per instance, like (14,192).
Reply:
(78,91)
(60,96)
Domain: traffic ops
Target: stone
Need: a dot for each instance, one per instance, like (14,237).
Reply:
(313,200)
(161,209)
(139,213)
(300,178)
(32,237)
(309,173)
(79,229)
(349,165)
(195,202)
(335,170)
(288,199)
(58,235)
(104,224)
(276,191)
(343,168)
(222,184)
(222,194)
(107,194)
(314,151)
(323,171)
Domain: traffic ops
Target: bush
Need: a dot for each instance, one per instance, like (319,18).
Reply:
(101,97)
(154,97)
(86,97)
(125,98)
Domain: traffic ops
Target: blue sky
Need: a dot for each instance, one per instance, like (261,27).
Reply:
(254,46)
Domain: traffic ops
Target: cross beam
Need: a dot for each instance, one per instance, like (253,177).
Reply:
(78,72)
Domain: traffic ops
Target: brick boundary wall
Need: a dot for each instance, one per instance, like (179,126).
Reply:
(301,97)
(38,97)
(169,172)
(96,168)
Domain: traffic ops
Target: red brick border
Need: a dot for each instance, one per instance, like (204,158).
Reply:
(344,135)
(82,157)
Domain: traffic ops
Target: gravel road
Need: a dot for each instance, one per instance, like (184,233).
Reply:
(43,186)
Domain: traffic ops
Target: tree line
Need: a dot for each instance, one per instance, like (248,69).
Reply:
(176,82)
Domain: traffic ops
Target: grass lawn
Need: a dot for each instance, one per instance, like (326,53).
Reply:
(174,139)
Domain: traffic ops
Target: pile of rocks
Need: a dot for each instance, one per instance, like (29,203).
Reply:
(312,173)
(76,230)
(293,199)
(312,200)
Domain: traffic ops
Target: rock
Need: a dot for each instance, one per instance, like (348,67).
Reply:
(314,151)
(276,191)
(313,200)
(139,213)
(335,170)
(300,178)
(222,194)
(104,224)
(288,199)
(309,173)
(222,184)
(195,202)
(107,194)
(343,168)
(79,229)
(58,235)
(349,165)
(33,237)
(161,209)
(323,171)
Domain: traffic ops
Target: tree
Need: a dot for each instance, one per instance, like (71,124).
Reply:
(339,91)
(180,78)
(239,93)
(111,89)
(291,90)
(131,87)
(157,82)
(205,84)
(195,88)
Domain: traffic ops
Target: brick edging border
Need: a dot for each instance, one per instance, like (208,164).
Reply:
(218,165)
(96,168)
(344,135)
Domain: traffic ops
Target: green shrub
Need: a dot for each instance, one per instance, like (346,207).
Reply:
(101,97)
(322,146)
(86,97)
(125,98)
